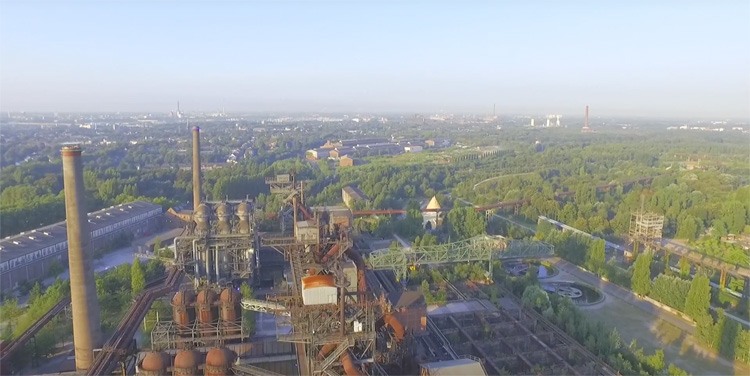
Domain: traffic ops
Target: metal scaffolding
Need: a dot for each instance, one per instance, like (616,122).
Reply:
(220,242)
(168,335)
(645,228)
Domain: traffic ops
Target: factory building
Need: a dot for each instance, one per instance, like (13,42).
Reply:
(29,255)
(351,194)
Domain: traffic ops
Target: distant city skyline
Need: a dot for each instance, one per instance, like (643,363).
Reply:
(675,59)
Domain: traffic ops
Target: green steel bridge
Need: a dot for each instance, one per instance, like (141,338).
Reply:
(479,248)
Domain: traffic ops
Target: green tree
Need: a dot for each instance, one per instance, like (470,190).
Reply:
(673,370)
(596,256)
(248,317)
(35,293)
(641,280)
(465,222)
(698,299)
(157,245)
(137,278)
(688,228)
(246,291)
(534,297)
(685,267)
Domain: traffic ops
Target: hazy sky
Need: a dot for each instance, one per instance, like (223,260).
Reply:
(647,58)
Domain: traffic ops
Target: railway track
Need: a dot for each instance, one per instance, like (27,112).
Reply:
(19,342)
(116,346)
(13,346)
(386,279)
(455,290)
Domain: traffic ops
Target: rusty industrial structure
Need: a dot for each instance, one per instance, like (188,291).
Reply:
(340,310)
(86,330)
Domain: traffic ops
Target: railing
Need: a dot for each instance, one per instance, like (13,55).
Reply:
(246,369)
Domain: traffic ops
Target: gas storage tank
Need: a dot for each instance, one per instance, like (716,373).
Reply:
(205,311)
(229,309)
(218,362)
(319,289)
(223,214)
(243,216)
(154,363)
(186,363)
(182,312)
(201,218)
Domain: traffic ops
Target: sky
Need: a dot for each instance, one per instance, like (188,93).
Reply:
(622,58)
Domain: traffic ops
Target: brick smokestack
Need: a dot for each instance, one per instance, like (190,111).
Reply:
(196,168)
(86,323)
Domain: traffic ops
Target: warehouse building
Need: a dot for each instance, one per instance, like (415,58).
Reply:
(29,255)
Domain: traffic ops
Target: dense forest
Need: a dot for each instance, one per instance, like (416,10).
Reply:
(701,203)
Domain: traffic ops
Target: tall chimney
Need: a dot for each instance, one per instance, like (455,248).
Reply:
(196,168)
(586,123)
(86,323)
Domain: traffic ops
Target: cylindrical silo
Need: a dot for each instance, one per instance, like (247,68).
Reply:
(154,363)
(186,363)
(218,362)
(229,309)
(86,322)
(202,220)
(223,215)
(243,215)
(205,312)
(182,312)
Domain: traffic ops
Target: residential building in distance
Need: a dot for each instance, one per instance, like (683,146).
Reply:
(346,161)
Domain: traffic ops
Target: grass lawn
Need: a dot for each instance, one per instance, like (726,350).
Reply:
(653,333)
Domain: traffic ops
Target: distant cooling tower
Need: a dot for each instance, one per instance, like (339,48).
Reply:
(86,322)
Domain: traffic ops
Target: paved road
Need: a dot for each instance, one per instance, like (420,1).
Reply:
(624,294)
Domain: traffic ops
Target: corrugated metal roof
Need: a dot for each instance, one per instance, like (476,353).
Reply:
(34,240)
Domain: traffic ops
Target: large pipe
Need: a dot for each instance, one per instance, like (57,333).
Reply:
(349,367)
(398,328)
(86,322)
(216,262)
(196,168)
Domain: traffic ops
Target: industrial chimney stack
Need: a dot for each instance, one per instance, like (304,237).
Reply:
(196,168)
(586,128)
(86,322)
(586,124)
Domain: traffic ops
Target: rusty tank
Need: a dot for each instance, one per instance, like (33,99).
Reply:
(218,362)
(223,215)
(202,220)
(186,363)
(243,216)
(205,311)
(183,313)
(154,363)
(229,309)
